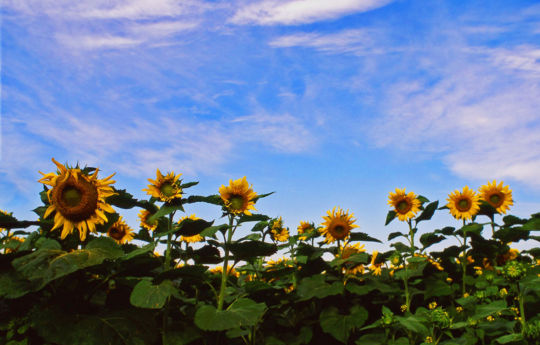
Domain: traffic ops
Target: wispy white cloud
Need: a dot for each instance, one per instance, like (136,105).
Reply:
(97,41)
(295,12)
(357,41)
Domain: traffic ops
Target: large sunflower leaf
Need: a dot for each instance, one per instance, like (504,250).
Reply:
(428,211)
(165,210)
(242,313)
(362,237)
(147,295)
(125,200)
(46,265)
(250,249)
(190,227)
(339,325)
(316,287)
(211,199)
(390,217)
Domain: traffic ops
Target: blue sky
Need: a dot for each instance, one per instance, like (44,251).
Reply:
(327,103)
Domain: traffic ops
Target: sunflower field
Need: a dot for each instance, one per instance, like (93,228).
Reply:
(84,276)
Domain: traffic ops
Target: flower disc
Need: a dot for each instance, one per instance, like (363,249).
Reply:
(405,205)
(498,196)
(463,205)
(337,225)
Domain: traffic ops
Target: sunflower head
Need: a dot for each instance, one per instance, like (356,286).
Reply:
(13,244)
(120,231)
(194,238)
(498,196)
(375,268)
(78,199)
(278,231)
(238,197)
(305,228)
(165,188)
(346,251)
(144,216)
(337,225)
(465,204)
(406,205)
(5,213)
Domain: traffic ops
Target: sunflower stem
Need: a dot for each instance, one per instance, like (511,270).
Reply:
(464,262)
(521,308)
(224,273)
(167,263)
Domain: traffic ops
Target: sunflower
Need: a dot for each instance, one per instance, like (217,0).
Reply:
(165,188)
(219,270)
(238,196)
(376,269)
(120,232)
(337,225)
(351,249)
(7,214)
(194,238)
(279,233)
(305,228)
(78,199)
(498,196)
(465,204)
(405,205)
(145,223)
(13,244)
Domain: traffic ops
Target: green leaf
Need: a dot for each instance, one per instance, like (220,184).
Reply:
(165,210)
(253,218)
(211,199)
(260,196)
(190,227)
(13,285)
(260,226)
(532,224)
(182,336)
(390,217)
(360,290)
(395,234)
(436,288)
(190,272)
(447,230)
(147,295)
(428,211)
(316,287)
(472,228)
(414,323)
(189,184)
(509,338)
(211,230)
(243,312)
(483,311)
(340,326)
(428,239)
(363,237)
(250,249)
(45,265)
(149,248)
(510,220)
(372,339)
(125,200)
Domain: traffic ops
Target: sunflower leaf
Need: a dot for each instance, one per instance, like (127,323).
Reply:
(339,325)
(532,224)
(147,295)
(390,217)
(253,218)
(428,211)
(430,238)
(250,249)
(361,236)
(165,210)
(396,234)
(316,287)
(189,184)
(243,312)
(260,196)
(190,227)
(211,199)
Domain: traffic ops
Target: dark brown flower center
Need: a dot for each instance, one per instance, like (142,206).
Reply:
(463,205)
(403,207)
(339,231)
(117,232)
(76,200)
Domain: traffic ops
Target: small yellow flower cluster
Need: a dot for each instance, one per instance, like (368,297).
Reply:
(432,305)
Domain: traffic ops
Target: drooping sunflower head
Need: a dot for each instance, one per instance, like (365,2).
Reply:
(346,251)
(374,267)
(165,188)
(463,205)
(78,199)
(120,231)
(305,228)
(278,231)
(146,223)
(238,197)
(194,238)
(406,205)
(498,196)
(337,225)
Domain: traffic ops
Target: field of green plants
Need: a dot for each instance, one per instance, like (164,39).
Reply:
(83,276)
